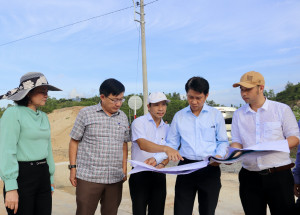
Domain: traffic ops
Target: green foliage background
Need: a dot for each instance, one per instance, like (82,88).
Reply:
(289,96)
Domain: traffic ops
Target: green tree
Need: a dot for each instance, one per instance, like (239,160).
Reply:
(212,103)
(289,85)
(270,94)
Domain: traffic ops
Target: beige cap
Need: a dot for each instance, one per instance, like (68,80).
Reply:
(250,80)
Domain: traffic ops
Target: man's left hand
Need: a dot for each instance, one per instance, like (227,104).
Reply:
(160,166)
(215,163)
(150,161)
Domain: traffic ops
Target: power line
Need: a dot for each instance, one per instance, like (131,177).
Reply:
(150,2)
(75,23)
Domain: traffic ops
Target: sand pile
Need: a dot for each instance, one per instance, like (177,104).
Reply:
(62,121)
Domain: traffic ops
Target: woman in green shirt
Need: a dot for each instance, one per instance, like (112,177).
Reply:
(26,160)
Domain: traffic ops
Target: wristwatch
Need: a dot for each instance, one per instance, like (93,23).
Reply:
(71,166)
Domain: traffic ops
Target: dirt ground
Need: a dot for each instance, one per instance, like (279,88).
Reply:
(62,121)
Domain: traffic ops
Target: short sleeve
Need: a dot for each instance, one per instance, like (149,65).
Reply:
(79,126)
(289,124)
(127,134)
(137,130)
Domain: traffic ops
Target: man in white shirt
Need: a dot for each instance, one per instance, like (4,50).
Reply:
(264,179)
(148,189)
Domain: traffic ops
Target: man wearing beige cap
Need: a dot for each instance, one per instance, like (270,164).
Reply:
(265,179)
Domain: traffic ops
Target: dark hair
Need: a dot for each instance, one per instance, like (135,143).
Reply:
(23,102)
(198,84)
(111,86)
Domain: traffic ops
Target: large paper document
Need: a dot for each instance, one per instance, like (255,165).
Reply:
(175,170)
(233,155)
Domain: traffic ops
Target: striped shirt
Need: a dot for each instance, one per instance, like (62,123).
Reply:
(100,151)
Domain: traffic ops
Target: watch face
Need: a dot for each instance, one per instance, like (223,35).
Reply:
(71,166)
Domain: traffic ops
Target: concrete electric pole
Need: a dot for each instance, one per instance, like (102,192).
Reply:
(144,60)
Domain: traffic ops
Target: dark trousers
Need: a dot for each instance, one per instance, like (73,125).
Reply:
(275,189)
(88,195)
(297,209)
(206,182)
(148,189)
(34,190)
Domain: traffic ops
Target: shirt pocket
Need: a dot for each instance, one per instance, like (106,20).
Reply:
(119,131)
(208,134)
(272,130)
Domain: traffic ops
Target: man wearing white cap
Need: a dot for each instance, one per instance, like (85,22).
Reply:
(149,188)
(264,179)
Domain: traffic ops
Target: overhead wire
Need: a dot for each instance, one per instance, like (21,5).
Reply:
(74,23)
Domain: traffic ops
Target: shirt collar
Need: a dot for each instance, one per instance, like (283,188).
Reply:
(264,107)
(266,104)
(99,108)
(204,109)
(149,117)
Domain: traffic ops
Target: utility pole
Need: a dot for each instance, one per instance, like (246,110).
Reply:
(144,61)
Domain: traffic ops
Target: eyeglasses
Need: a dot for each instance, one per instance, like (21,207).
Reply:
(115,101)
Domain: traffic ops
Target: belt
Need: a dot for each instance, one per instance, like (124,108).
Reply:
(276,169)
(33,163)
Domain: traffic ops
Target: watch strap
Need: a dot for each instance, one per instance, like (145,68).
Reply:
(71,166)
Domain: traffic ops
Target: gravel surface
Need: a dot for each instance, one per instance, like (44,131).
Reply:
(233,168)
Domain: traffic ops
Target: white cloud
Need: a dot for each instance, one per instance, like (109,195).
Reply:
(74,94)
(287,50)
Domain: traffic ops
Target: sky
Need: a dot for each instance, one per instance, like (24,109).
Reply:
(219,40)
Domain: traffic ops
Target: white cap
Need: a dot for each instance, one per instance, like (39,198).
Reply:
(157,97)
